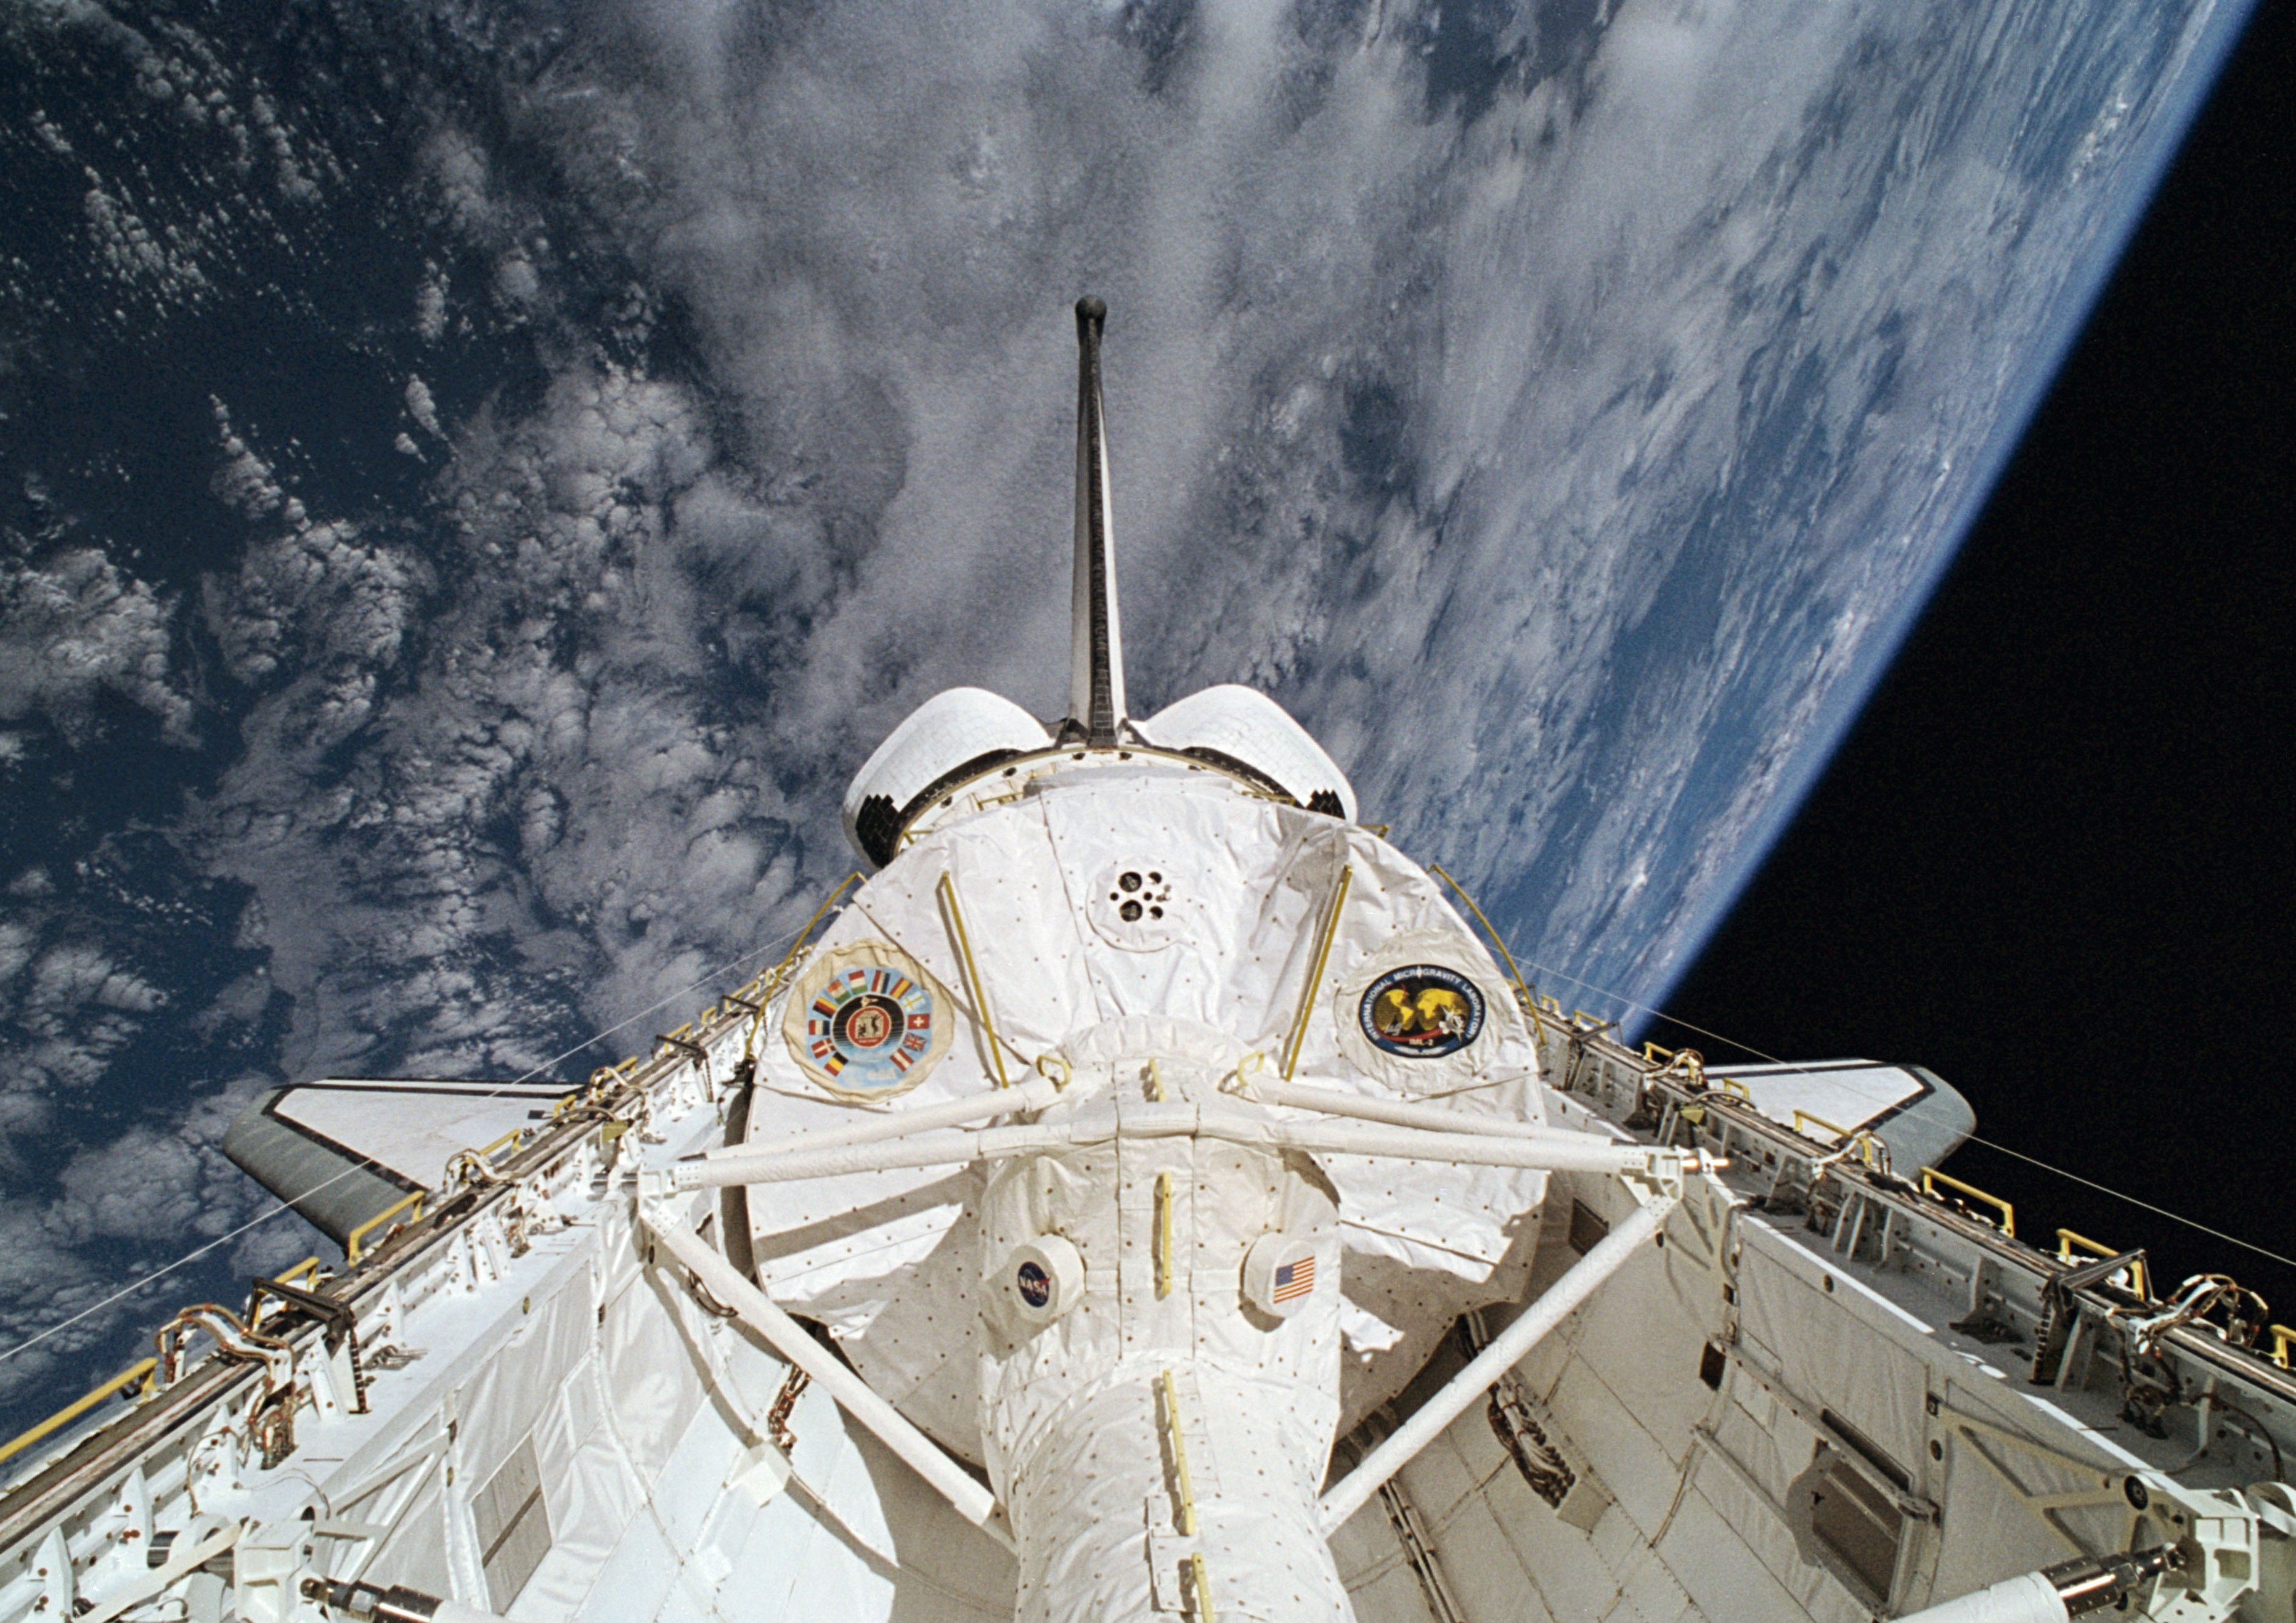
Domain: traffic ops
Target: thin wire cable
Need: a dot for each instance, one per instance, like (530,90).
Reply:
(2217,1233)
(258,1221)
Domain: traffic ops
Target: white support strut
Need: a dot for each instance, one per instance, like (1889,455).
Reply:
(755,1309)
(1581,1153)
(1034,1095)
(1578,1153)
(1348,1495)
(1407,1112)
(2030,1598)
(946,1148)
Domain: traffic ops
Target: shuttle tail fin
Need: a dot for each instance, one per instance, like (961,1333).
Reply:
(1096,641)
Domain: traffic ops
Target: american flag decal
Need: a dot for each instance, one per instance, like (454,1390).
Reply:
(1294,1279)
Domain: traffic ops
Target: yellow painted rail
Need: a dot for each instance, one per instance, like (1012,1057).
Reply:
(1842,1134)
(1522,990)
(1200,1583)
(1869,1150)
(2283,1338)
(1186,1519)
(412,1205)
(973,983)
(1315,974)
(2140,1277)
(1932,1177)
(1162,1236)
(72,1412)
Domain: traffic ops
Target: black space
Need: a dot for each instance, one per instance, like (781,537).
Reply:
(2052,861)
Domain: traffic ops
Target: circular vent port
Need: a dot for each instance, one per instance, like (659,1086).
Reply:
(1133,905)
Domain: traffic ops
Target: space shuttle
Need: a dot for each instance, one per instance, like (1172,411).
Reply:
(1151,1195)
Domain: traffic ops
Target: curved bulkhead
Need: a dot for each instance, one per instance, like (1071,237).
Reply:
(1243,727)
(953,735)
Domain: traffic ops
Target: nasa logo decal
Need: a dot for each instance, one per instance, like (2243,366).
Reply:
(1421,1012)
(866,1023)
(1035,1285)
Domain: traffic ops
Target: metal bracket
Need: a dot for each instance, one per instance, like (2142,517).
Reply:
(1659,1182)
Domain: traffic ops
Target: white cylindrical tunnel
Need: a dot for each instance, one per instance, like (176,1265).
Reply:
(1158,1446)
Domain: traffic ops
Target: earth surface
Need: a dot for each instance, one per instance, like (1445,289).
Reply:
(477,479)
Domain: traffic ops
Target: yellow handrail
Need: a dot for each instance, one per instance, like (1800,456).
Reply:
(1162,1238)
(1199,1582)
(72,1411)
(486,1152)
(2068,1243)
(1871,1151)
(1186,1519)
(973,982)
(1530,1003)
(355,1243)
(1315,974)
(1731,1085)
(1932,1177)
(309,1264)
(2283,1338)
(1655,1054)
(1842,1134)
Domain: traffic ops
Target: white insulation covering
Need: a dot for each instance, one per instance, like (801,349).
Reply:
(941,735)
(1151,938)
(1247,725)
(884,1258)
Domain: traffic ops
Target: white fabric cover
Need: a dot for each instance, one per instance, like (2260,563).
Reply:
(1078,1435)
(940,736)
(879,1256)
(1251,727)
(1824,1345)
(2029,1599)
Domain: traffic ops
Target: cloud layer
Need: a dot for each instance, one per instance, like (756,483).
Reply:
(552,453)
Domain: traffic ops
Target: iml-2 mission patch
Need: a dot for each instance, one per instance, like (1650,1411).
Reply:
(1421,1012)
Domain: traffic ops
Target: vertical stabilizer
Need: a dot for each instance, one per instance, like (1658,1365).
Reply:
(1096,643)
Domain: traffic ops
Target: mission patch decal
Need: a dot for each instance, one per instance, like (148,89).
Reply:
(866,1023)
(1421,1012)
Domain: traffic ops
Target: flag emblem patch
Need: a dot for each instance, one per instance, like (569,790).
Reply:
(866,1023)
(1294,1280)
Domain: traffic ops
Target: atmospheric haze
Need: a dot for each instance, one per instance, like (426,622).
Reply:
(479,480)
